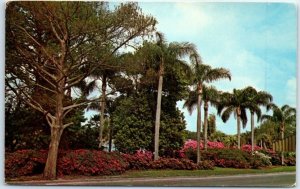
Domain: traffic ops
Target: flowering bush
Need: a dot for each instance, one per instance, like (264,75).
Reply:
(25,162)
(192,144)
(91,162)
(233,158)
(173,163)
(259,160)
(275,157)
(247,148)
(206,164)
(84,162)
(140,160)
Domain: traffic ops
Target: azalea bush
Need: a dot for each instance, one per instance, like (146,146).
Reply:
(173,163)
(91,162)
(231,158)
(248,147)
(94,162)
(141,160)
(25,162)
(290,158)
(82,162)
(192,144)
(259,160)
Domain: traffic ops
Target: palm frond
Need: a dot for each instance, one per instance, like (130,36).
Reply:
(94,106)
(181,49)
(227,112)
(211,94)
(266,117)
(244,117)
(217,74)
(195,58)
(191,102)
(272,106)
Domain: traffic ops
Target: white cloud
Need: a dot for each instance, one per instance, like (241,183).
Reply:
(255,41)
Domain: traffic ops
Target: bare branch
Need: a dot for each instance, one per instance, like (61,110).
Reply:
(68,124)
(80,104)
(36,42)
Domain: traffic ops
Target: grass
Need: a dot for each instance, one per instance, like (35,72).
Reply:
(195,173)
(171,173)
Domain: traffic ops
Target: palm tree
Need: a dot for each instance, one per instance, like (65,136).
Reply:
(203,74)
(103,74)
(237,104)
(209,95)
(282,116)
(166,55)
(255,100)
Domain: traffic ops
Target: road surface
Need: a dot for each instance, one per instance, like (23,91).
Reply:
(287,179)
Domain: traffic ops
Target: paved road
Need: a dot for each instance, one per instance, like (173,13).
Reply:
(250,180)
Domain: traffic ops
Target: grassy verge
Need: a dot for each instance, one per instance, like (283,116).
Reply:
(171,173)
(216,171)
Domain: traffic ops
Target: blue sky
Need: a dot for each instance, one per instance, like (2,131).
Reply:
(257,42)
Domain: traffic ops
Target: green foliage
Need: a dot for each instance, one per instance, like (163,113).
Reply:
(190,135)
(234,158)
(211,125)
(218,136)
(133,121)
(283,117)
(25,128)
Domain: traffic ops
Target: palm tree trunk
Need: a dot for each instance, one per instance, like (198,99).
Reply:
(158,110)
(238,128)
(102,106)
(199,122)
(252,131)
(282,138)
(205,124)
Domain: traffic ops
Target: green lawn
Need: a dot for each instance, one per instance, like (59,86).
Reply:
(216,171)
(171,173)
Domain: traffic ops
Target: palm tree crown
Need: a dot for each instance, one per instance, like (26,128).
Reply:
(237,104)
(255,99)
(282,116)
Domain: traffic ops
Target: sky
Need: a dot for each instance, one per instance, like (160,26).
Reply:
(257,42)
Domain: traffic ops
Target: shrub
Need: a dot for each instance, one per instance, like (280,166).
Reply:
(248,147)
(227,157)
(173,163)
(275,157)
(91,162)
(206,164)
(140,160)
(192,144)
(25,162)
(290,158)
(259,160)
(233,158)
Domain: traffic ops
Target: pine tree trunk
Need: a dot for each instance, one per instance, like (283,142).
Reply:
(50,167)
(102,106)
(199,123)
(56,132)
(252,131)
(205,124)
(158,112)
